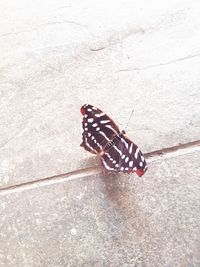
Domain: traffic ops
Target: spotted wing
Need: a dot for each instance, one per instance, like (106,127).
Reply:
(98,129)
(124,156)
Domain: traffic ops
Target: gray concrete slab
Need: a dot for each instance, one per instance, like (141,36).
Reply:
(107,221)
(54,58)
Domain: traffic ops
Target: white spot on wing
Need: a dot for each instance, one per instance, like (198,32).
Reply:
(89,109)
(141,163)
(104,121)
(131,148)
(90,120)
(123,156)
(127,159)
(99,115)
(98,129)
(136,153)
(97,144)
(94,125)
(131,163)
(122,168)
(111,159)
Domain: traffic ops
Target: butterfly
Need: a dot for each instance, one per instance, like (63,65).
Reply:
(101,136)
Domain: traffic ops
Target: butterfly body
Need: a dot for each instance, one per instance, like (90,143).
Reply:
(102,136)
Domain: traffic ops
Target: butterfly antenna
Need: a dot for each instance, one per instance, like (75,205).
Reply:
(128,120)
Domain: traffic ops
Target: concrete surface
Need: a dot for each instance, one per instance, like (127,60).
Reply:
(117,55)
(49,72)
(114,221)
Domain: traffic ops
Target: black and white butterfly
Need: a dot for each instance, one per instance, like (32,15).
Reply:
(102,136)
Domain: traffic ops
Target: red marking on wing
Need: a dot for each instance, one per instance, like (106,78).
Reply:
(140,172)
(82,110)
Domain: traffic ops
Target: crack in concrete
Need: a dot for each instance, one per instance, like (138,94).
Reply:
(17,134)
(64,22)
(98,49)
(162,64)
(36,28)
(17,32)
(169,152)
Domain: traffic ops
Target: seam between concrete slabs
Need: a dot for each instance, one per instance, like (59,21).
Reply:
(161,154)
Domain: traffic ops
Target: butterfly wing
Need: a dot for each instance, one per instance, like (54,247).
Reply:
(102,136)
(124,156)
(98,129)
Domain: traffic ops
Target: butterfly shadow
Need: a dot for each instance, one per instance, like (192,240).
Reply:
(120,191)
(88,162)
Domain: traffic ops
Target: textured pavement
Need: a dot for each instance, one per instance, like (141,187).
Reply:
(117,55)
(116,220)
